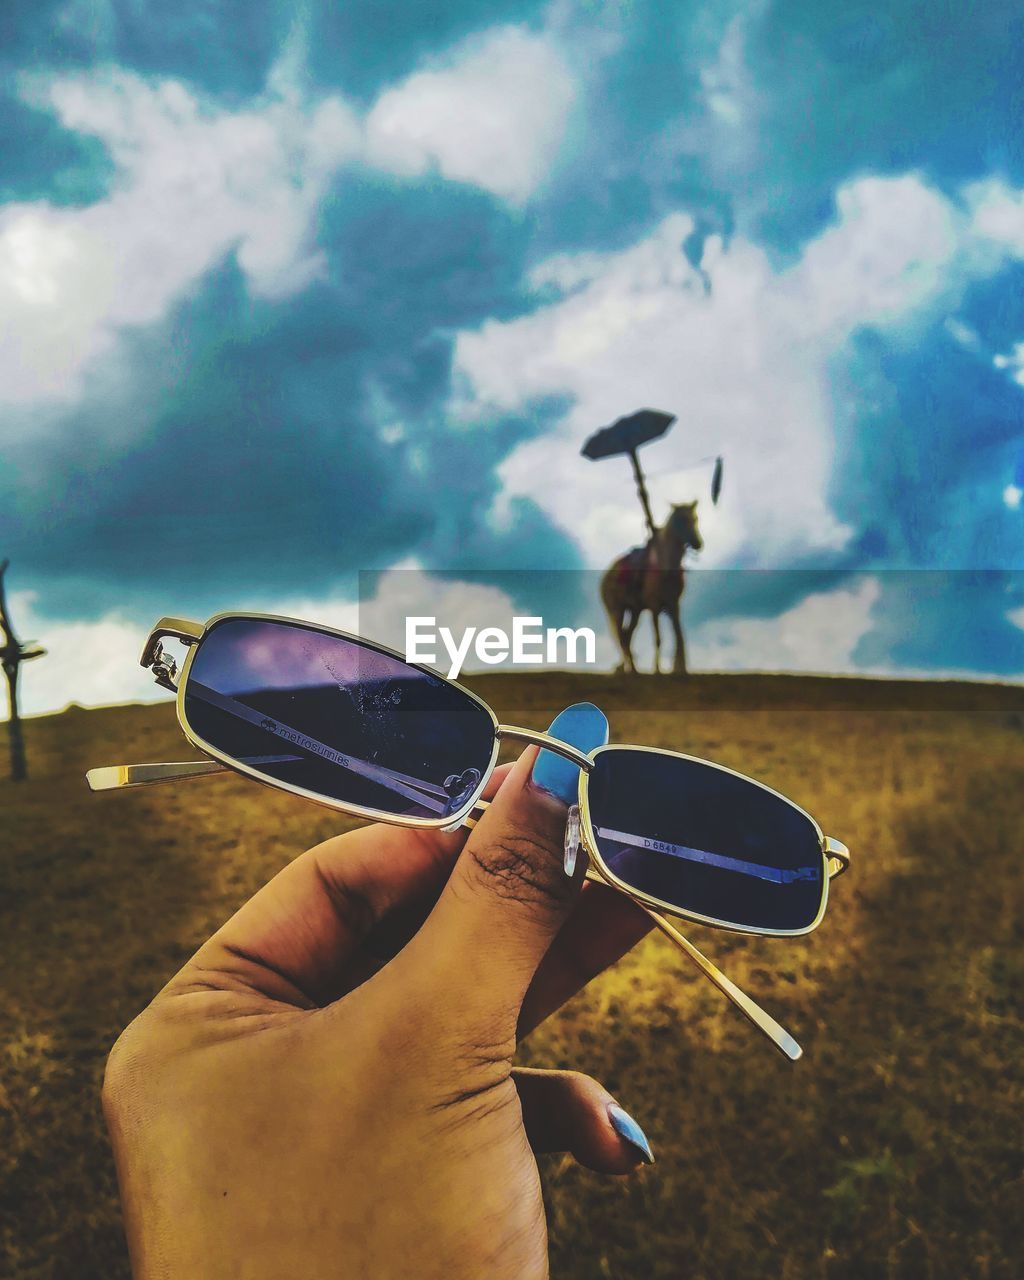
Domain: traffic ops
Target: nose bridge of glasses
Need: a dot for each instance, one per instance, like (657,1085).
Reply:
(537,738)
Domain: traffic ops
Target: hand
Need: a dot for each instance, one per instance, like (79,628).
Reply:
(326,1088)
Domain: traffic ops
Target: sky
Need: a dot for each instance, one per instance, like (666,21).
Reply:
(291,292)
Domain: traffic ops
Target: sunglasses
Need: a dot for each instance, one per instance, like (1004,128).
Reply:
(350,724)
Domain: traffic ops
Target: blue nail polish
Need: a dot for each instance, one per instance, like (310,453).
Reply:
(626,1127)
(582,726)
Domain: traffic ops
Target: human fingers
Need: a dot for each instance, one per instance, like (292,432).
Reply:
(569,1111)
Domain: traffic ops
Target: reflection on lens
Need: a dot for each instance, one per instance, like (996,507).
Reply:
(337,718)
(706,841)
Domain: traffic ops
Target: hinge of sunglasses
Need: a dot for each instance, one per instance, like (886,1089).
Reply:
(837,857)
(154,656)
(164,667)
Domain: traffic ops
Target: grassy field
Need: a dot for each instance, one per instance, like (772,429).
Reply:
(893,1149)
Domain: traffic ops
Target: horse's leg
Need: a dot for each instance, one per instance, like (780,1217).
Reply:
(617,611)
(657,642)
(622,634)
(616,607)
(679,662)
(627,640)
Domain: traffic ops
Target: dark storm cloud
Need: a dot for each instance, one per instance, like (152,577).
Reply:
(245,454)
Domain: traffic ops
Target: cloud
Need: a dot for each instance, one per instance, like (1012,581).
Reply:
(1013,363)
(887,256)
(889,624)
(226,324)
(794,103)
(744,351)
(818,635)
(242,449)
(492,112)
(193,183)
(998,214)
(87,662)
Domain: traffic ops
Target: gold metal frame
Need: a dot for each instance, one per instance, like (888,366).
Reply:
(359,811)
(589,840)
(113,777)
(835,855)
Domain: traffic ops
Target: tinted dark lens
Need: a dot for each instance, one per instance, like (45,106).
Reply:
(705,840)
(337,718)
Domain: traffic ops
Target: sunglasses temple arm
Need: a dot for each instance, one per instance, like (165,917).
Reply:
(115,776)
(781,1038)
(110,777)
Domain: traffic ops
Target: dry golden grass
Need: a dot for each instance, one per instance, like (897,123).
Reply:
(891,1150)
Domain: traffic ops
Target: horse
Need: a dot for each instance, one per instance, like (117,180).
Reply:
(650,579)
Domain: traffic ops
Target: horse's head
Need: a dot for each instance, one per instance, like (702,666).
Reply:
(683,524)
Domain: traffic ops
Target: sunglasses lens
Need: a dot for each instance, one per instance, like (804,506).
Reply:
(706,841)
(337,718)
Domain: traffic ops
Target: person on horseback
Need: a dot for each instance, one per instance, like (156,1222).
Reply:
(651,579)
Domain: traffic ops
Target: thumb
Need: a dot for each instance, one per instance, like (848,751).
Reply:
(567,1111)
(508,893)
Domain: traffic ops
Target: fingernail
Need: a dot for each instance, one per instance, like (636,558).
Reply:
(628,1129)
(582,726)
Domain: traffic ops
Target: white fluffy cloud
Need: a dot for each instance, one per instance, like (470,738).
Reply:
(819,635)
(195,181)
(86,662)
(888,254)
(998,213)
(192,185)
(492,113)
(1012,362)
(740,350)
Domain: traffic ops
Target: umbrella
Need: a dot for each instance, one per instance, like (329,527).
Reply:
(626,435)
